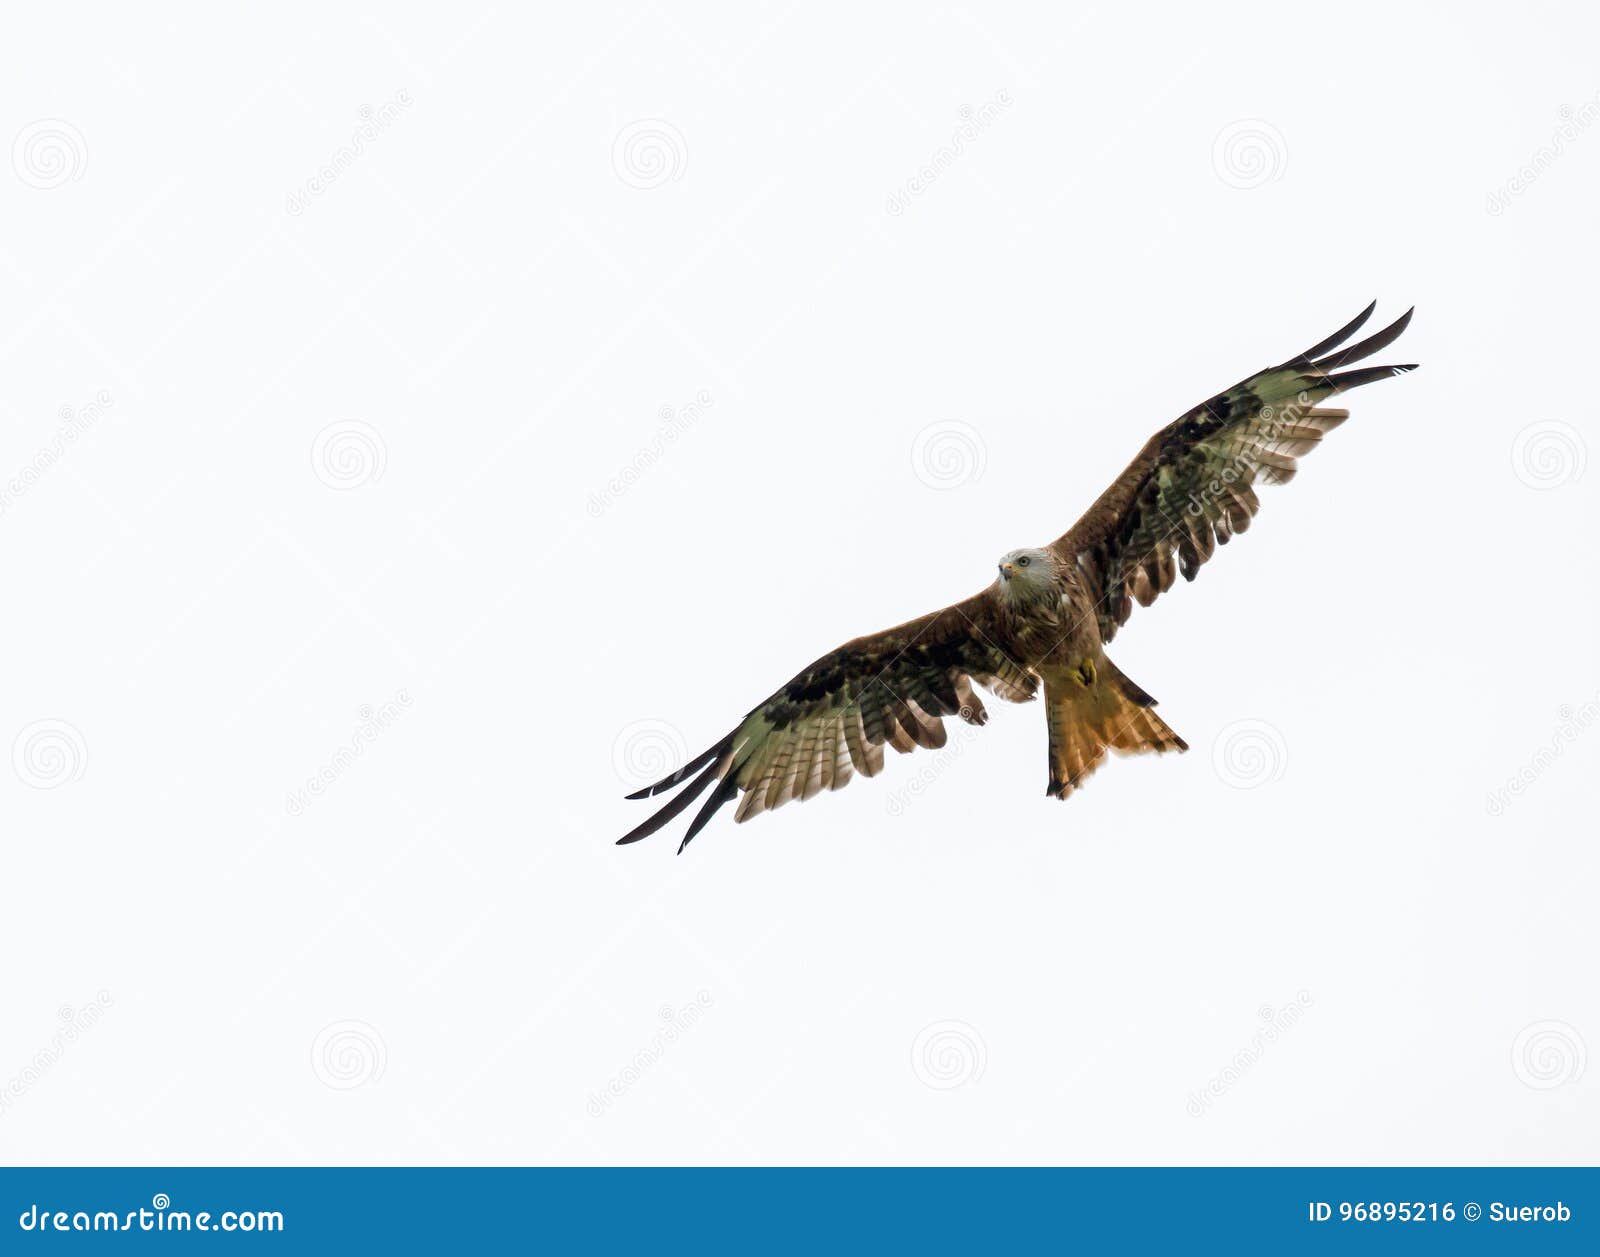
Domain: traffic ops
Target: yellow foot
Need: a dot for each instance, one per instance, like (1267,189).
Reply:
(1085,675)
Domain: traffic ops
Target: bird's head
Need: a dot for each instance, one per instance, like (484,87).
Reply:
(1028,575)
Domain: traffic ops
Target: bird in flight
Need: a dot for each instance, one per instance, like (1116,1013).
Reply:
(1045,621)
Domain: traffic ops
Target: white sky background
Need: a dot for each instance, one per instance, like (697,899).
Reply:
(328,460)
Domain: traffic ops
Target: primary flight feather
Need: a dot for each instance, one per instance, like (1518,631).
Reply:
(1044,622)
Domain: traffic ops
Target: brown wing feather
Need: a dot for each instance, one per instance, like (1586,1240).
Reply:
(1192,487)
(833,718)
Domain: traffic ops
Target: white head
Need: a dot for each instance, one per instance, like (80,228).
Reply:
(1028,576)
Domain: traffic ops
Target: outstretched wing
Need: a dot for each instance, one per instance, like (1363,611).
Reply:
(832,720)
(1192,487)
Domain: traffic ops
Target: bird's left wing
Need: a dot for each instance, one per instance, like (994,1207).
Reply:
(1192,487)
(833,719)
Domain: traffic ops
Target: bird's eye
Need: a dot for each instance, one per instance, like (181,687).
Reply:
(1023,561)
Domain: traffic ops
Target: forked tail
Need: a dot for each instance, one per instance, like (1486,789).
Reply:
(1095,709)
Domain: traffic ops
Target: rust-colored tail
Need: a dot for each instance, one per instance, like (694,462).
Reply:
(1093,709)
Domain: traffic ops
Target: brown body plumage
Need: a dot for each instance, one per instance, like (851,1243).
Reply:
(1045,621)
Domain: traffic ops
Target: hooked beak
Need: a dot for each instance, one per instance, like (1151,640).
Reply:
(1007,571)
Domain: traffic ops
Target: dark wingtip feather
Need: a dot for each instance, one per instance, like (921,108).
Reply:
(724,792)
(1368,347)
(695,789)
(1346,380)
(1334,341)
(673,778)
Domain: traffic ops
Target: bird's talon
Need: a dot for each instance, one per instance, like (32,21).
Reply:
(1086,674)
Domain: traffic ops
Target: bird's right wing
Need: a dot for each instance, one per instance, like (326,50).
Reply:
(833,719)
